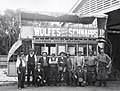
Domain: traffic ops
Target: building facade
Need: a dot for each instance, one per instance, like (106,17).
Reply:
(80,34)
(90,7)
(112,9)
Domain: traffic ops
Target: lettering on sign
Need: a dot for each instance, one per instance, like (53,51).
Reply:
(65,32)
(101,33)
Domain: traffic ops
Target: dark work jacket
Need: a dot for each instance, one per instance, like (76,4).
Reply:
(62,62)
(41,60)
(38,73)
(31,61)
(79,73)
(69,63)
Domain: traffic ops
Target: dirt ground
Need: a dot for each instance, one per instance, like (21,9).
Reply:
(10,84)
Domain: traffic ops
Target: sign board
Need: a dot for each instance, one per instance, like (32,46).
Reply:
(101,33)
(26,32)
(65,41)
(66,32)
(30,31)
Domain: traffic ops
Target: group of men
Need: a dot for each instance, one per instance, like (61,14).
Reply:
(63,70)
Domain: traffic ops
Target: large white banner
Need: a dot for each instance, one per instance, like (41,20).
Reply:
(66,32)
(30,31)
(15,46)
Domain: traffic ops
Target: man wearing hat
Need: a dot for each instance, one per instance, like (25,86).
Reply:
(79,75)
(91,63)
(79,61)
(39,75)
(104,62)
(69,69)
(31,60)
(53,61)
(44,60)
(21,68)
(62,60)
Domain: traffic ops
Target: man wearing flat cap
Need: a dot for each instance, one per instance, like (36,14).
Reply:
(31,60)
(44,60)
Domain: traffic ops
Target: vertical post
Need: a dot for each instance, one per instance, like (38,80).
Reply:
(66,49)
(87,49)
(56,46)
(77,49)
(44,46)
(97,50)
(33,44)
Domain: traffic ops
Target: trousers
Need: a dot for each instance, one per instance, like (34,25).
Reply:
(21,77)
(30,69)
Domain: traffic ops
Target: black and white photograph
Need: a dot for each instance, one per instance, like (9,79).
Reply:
(59,45)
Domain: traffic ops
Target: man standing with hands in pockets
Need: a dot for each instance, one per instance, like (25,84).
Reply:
(21,69)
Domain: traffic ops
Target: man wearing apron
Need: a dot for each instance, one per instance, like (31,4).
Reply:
(104,62)
(91,63)
(53,69)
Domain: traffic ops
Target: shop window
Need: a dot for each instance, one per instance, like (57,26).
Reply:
(61,48)
(38,49)
(93,48)
(72,49)
(44,49)
(50,48)
(83,49)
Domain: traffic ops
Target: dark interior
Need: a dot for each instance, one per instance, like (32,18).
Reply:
(113,36)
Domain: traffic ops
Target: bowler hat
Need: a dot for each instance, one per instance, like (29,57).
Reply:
(44,52)
(62,53)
